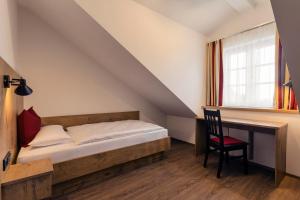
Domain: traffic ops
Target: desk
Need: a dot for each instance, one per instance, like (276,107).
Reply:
(278,129)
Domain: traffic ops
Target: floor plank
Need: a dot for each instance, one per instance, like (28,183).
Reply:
(181,177)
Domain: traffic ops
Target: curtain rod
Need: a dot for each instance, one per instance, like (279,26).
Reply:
(258,26)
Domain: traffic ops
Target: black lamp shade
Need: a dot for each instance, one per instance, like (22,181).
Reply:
(23,89)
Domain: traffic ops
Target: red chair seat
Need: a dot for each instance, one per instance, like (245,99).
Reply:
(228,140)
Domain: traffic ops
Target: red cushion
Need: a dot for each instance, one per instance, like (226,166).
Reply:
(33,112)
(228,140)
(29,125)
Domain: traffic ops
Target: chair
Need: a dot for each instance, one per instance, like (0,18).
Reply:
(223,144)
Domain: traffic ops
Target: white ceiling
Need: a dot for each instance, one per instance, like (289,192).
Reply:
(204,16)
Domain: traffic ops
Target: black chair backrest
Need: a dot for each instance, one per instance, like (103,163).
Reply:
(214,125)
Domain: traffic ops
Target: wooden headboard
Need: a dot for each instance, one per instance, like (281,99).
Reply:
(74,120)
(10,106)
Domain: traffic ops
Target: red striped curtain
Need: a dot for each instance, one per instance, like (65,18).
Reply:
(214,74)
(285,96)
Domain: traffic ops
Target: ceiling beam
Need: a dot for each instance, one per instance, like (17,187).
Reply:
(241,5)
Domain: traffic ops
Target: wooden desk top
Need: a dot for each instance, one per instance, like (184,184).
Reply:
(257,123)
(21,172)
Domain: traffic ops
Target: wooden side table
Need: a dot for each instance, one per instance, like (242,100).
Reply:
(28,181)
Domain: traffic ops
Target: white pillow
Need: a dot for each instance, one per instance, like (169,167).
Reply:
(50,135)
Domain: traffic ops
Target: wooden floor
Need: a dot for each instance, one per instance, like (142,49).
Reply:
(181,177)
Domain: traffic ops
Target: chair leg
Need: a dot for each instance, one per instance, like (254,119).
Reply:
(245,160)
(206,157)
(220,163)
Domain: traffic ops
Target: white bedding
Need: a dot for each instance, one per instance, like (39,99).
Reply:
(87,133)
(63,152)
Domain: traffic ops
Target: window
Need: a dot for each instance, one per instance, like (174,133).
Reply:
(249,68)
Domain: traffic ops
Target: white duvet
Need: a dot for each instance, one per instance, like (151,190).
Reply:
(87,133)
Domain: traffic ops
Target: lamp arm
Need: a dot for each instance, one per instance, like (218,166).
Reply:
(15,81)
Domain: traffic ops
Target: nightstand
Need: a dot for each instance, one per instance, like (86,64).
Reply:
(28,181)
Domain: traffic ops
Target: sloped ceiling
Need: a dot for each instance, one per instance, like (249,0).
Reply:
(73,23)
(204,16)
(287,18)
(172,52)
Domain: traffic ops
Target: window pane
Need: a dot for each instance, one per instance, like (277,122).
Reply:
(265,73)
(265,93)
(264,55)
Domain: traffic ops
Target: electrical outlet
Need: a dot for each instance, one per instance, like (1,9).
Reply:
(6,161)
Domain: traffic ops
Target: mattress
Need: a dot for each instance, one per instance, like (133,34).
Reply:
(64,152)
(87,133)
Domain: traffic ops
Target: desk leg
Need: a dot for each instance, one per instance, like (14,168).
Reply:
(280,157)
(251,144)
(200,143)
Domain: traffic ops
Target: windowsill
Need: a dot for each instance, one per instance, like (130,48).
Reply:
(253,109)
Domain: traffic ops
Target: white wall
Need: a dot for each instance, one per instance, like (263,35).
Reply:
(8,31)
(174,53)
(73,23)
(66,81)
(182,128)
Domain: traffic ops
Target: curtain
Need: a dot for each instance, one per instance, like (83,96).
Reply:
(214,74)
(285,96)
(249,68)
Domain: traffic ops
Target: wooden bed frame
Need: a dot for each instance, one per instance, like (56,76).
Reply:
(71,169)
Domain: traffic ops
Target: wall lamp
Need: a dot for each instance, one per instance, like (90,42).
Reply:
(22,88)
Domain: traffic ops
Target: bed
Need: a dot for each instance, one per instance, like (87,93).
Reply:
(72,160)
